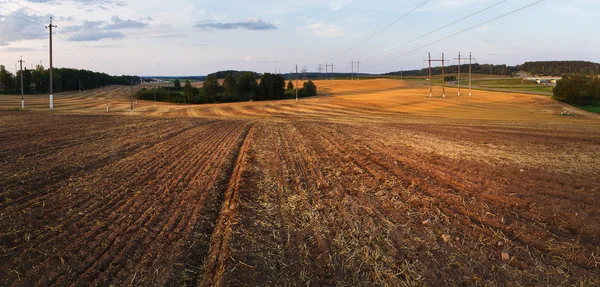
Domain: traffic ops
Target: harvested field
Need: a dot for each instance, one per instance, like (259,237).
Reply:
(371,183)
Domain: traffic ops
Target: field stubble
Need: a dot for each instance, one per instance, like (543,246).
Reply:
(370,184)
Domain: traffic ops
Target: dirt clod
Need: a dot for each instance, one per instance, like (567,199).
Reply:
(446,238)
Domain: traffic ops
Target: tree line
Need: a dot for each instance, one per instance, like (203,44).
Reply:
(235,87)
(578,89)
(63,79)
(500,70)
(541,68)
(558,68)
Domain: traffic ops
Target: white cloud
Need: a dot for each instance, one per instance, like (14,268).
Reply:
(337,5)
(323,30)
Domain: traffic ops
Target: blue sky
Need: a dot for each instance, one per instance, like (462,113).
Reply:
(179,37)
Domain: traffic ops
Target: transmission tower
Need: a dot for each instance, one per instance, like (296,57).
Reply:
(443,75)
(320,71)
(459,59)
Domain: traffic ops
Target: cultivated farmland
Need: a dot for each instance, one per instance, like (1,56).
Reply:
(370,183)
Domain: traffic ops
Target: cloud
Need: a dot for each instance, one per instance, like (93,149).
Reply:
(84,2)
(337,5)
(18,49)
(118,23)
(323,30)
(98,30)
(445,5)
(254,24)
(14,29)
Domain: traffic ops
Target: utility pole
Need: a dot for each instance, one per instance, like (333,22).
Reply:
(443,75)
(50,26)
(470,69)
(320,69)
(458,74)
(332,72)
(130,99)
(401,70)
(22,93)
(358,65)
(352,64)
(459,59)
(326,71)
(155,95)
(443,78)
(304,71)
(430,87)
(296,83)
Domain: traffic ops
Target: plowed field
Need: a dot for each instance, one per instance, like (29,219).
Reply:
(371,183)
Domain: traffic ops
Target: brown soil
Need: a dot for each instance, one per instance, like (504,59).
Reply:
(371,184)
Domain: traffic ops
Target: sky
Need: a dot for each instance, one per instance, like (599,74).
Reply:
(184,37)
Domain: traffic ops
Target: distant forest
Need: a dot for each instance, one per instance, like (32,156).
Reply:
(546,68)
(501,70)
(558,68)
(236,87)
(578,89)
(64,79)
(219,75)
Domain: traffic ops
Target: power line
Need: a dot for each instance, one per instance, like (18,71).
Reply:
(87,49)
(465,30)
(375,34)
(26,7)
(17,17)
(37,20)
(438,29)
(90,51)
(558,54)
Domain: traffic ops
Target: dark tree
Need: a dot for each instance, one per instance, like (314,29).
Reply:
(7,80)
(310,88)
(210,88)
(271,87)
(177,84)
(247,86)
(290,86)
(188,91)
(229,85)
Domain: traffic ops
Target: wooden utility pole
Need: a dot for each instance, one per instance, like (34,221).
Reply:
(443,75)
(22,92)
(50,26)
(443,78)
(130,99)
(358,65)
(470,69)
(458,74)
(326,71)
(430,87)
(352,64)
(296,83)
(459,59)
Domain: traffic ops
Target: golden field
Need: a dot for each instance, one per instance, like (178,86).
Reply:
(370,183)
